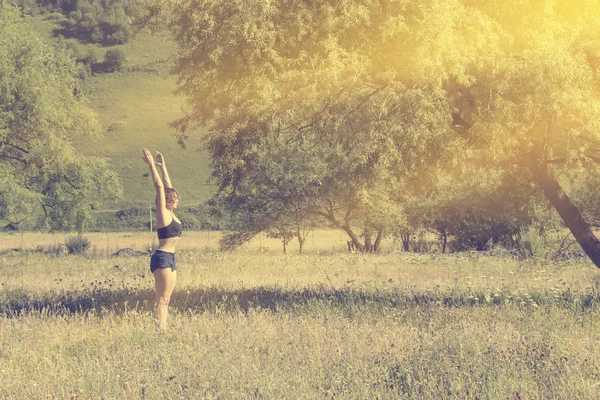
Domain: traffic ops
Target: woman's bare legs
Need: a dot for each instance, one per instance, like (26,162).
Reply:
(164,283)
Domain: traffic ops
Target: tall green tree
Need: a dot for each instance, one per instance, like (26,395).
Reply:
(536,106)
(355,89)
(276,194)
(43,180)
(398,87)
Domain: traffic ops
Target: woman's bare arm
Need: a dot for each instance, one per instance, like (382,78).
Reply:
(162,214)
(160,161)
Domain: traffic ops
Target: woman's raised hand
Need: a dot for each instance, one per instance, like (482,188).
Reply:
(147,157)
(159,158)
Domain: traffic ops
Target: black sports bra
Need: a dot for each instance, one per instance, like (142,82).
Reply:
(174,229)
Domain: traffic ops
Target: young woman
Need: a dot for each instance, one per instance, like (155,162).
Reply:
(169,229)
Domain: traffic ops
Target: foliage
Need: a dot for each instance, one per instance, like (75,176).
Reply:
(54,250)
(101,21)
(535,108)
(533,243)
(77,244)
(319,81)
(475,212)
(43,180)
(86,58)
(585,186)
(30,7)
(132,212)
(395,86)
(114,59)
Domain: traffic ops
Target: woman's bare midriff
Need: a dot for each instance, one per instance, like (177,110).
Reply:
(168,244)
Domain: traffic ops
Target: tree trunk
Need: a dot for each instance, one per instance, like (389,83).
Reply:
(357,244)
(444,237)
(345,227)
(567,210)
(405,241)
(300,244)
(368,242)
(378,240)
(351,247)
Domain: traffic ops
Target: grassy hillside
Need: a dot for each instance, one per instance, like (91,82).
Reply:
(135,107)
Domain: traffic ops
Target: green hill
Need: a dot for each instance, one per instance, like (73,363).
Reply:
(135,107)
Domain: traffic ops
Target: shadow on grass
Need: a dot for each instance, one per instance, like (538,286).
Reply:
(348,300)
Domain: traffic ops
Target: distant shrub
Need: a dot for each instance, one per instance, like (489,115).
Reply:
(132,213)
(533,243)
(120,34)
(30,7)
(90,57)
(51,249)
(74,47)
(420,244)
(151,248)
(55,249)
(77,244)
(116,127)
(55,16)
(96,35)
(82,71)
(102,21)
(114,59)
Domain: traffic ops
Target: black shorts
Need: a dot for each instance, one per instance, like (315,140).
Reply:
(162,259)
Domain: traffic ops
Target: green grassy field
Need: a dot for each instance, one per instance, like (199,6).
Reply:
(254,324)
(135,107)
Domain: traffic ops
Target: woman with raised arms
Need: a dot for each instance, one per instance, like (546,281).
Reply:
(169,229)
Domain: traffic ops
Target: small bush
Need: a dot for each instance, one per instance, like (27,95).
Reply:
(82,71)
(90,58)
(97,35)
(54,250)
(151,248)
(131,212)
(114,59)
(533,244)
(55,16)
(77,244)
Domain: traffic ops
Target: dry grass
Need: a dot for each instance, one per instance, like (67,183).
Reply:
(319,241)
(332,325)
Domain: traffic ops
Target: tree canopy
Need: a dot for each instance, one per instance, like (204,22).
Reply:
(536,107)
(391,90)
(319,79)
(43,180)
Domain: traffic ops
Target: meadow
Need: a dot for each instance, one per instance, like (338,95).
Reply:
(256,323)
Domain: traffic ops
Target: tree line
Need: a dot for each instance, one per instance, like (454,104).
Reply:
(108,22)
(44,182)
